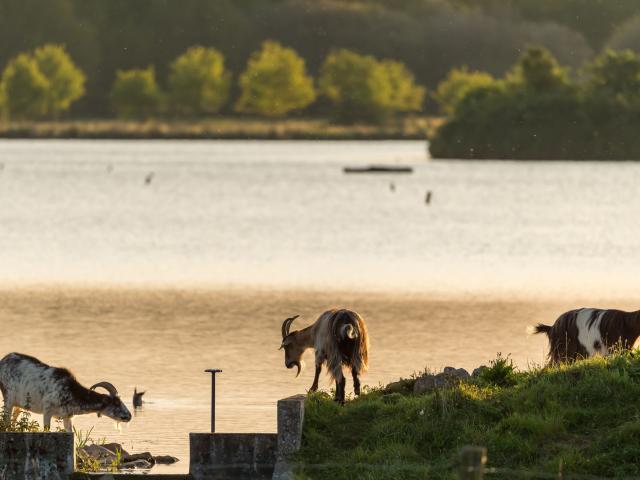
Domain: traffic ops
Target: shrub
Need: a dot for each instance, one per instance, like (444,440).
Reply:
(198,81)
(135,93)
(615,75)
(25,88)
(275,82)
(457,84)
(66,80)
(363,89)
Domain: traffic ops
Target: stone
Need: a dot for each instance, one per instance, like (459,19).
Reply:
(115,447)
(220,456)
(133,464)
(478,371)
(165,460)
(425,383)
(146,456)
(449,377)
(36,455)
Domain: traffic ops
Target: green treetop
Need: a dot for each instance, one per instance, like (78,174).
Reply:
(539,71)
(198,81)
(457,84)
(615,74)
(66,81)
(363,89)
(25,88)
(275,82)
(135,93)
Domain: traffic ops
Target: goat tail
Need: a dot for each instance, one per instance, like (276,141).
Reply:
(354,330)
(540,328)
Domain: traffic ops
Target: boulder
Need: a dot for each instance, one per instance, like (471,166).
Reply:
(448,378)
(165,460)
(476,372)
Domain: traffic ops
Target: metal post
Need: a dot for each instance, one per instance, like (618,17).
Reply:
(213,397)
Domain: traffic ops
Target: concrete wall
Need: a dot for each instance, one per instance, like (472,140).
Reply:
(36,456)
(232,455)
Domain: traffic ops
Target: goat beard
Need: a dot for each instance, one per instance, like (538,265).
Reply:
(300,366)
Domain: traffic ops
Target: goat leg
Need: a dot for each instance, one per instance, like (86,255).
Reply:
(356,381)
(47,421)
(314,386)
(340,387)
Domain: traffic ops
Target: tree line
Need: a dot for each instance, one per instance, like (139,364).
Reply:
(541,109)
(46,82)
(430,37)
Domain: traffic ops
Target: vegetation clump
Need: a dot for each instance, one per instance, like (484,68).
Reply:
(275,82)
(538,111)
(579,418)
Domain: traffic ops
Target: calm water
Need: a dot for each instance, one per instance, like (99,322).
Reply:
(148,284)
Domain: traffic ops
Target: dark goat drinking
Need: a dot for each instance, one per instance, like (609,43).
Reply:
(339,338)
(585,332)
(28,384)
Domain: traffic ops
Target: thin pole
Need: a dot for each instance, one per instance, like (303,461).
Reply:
(213,397)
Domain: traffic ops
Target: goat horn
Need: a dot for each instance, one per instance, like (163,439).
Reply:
(286,325)
(108,387)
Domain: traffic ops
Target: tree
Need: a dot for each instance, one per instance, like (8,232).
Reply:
(275,82)
(538,70)
(198,81)
(406,96)
(615,74)
(66,81)
(25,88)
(364,89)
(457,84)
(135,93)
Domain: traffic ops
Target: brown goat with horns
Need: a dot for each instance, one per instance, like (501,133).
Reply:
(339,338)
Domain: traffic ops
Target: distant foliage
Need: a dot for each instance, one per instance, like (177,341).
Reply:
(364,89)
(615,75)
(135,93)
(198,82)
(457,84)
(275,82)
(66,80)
(538,112)
(538,70)
(626,36)
(25,88)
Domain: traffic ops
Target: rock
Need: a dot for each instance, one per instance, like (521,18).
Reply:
(448,378)
(97,452)
(140,463)
(401,386)
(115,447)
(146,456)
(165,460)
(425,383)
(476,372)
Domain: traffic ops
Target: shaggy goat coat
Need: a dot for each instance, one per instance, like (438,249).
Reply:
(585,332)
(341,339)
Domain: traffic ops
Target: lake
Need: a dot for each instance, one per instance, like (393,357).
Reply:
(146,262)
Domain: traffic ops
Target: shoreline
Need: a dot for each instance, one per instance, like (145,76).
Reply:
(222,128)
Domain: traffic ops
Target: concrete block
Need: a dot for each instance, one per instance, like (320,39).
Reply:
(290,420)
(222,456)
(36,456)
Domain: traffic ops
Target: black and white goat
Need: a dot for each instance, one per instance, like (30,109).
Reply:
(586,332)
(28,384)
(340,339)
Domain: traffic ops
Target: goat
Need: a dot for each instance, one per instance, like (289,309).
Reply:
(28,384)
(585,332)
(339,338)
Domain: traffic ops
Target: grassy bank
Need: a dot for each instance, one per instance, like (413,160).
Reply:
(410,128)
(582,419)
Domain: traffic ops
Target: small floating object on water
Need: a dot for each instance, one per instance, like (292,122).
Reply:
(427,198)
(379,169)
(109,168)
(137,398)
(149,178)
(392,187)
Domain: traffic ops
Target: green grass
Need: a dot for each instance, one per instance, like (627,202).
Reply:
(582,418)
